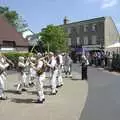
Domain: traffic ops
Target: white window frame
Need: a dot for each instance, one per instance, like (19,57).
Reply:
(85,28)
(85,40)
(69,30)
(69,42)
(94,39)
(94,27)
(78,40)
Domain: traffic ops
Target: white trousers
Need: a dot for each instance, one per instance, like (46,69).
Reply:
(22,80)
(39,86)
(1,86)
(31,75)
(54,80)
(60,79)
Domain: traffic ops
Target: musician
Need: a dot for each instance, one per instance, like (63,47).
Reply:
(40,72)
(22,75)
(3,67)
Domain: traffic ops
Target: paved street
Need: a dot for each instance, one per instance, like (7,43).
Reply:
(66,105)
(103,101)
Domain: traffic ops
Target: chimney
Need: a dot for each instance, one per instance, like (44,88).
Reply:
(65,20)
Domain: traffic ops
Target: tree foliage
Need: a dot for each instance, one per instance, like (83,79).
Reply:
(13,18)
(55,38)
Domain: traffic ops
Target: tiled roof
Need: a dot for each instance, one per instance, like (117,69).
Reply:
(9,33)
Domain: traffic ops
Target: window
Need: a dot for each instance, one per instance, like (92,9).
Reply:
(69,41)
(85,28)
(85,40)
(8,43)
(69,30)
(94,38)
(78,40)
(94,27)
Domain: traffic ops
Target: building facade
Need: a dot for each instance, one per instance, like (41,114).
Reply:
(10,39)
(93,34)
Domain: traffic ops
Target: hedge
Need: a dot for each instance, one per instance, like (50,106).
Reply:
(13,56)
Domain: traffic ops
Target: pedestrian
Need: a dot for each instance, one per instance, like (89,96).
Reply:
(68,65)
(85,63)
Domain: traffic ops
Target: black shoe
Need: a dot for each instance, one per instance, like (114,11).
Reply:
(58,86)
(3,98)
(24,90)
(39,101)
(43,100)
(18,92)
(31,84)
(66,76)
(54,93)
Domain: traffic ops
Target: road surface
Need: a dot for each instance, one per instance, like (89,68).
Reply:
(103,101)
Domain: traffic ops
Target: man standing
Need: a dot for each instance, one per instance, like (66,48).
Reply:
(85,63)
(68,65)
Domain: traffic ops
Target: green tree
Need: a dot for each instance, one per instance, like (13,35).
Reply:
(13,18)
(54,38)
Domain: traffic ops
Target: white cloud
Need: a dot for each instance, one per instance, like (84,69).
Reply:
(109,3)
(104,3)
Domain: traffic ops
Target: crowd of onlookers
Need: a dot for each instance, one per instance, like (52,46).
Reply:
(107,60)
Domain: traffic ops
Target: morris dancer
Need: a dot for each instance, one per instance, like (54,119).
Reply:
(54,71)
(40,70)
(59,59)
(22,75)
(3,66)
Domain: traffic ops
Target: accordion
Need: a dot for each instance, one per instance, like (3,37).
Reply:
(41,70)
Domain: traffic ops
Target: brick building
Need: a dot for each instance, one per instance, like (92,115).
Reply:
(92,34)
(10,39)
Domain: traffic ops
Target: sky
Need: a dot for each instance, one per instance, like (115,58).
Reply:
(40,13)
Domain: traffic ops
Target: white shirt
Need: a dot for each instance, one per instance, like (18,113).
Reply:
(53,62)
(21,64)
(40,64)
(3,66)
(61,59)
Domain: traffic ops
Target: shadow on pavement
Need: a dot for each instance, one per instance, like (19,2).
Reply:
(27,101)
(47,86)
(11,91)
(35,93)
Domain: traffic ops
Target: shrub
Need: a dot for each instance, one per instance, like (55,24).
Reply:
(13,56)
